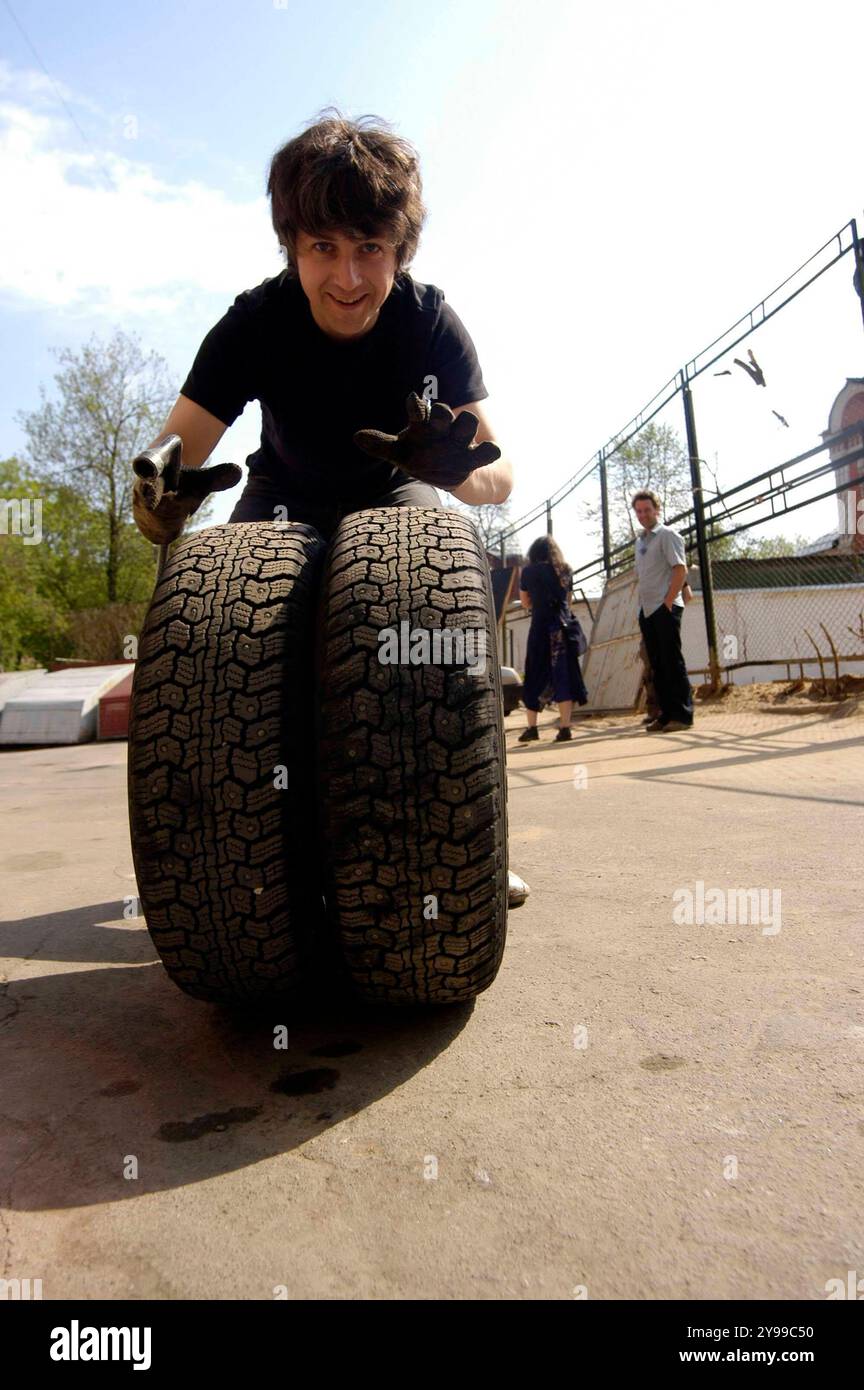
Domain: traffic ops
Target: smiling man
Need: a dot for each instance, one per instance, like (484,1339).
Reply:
(346,280)
(338,349)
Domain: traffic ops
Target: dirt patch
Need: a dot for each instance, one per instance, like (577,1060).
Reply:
(789,696)
(805,692)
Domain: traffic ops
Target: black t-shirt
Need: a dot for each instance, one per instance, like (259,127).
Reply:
(315,391)
(549,596)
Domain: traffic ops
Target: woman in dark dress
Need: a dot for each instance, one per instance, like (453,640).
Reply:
(550,659)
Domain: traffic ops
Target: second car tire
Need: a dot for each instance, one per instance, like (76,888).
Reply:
(411,760)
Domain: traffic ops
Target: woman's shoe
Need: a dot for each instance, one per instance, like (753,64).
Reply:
(529,735)
(563,735)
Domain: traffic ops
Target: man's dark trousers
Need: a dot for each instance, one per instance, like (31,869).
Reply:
(662,634)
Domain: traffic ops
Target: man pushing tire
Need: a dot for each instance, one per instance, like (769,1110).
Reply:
(339,348)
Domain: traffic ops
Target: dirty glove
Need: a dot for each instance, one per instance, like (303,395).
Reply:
(435,447)
(166,493)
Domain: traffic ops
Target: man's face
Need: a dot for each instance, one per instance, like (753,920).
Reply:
(346,281)
(646,513)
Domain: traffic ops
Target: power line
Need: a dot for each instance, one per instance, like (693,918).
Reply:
(69,112)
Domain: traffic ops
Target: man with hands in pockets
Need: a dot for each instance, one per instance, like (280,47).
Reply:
(661,571)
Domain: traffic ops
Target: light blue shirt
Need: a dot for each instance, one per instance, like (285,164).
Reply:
(658,551)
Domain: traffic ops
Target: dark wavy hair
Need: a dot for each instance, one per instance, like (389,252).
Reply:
(352,177)
(547,549)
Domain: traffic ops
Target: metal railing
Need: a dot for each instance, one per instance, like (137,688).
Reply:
(701,523)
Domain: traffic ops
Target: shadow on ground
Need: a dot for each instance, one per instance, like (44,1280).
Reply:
(105,1069)
(727,748)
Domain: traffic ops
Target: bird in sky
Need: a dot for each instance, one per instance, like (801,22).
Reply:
(756,374)
(755,371)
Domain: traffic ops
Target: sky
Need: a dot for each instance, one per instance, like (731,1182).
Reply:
(609,189)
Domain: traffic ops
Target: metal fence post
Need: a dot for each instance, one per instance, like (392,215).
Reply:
(858,277)
(604,511)
(502,625)
(701,541)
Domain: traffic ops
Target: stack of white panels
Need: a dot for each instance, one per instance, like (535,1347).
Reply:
(60,706)
(15,682)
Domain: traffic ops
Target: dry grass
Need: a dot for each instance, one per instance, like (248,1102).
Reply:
(780,693)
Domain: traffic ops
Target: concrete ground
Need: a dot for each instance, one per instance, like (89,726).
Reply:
(638,1108)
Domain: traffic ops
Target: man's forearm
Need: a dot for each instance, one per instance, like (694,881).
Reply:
(676,584)
(492,483)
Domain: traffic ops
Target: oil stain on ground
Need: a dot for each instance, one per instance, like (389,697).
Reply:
(33,863)
(336,1049)
(181,1131)
(305,1083)
(660,1062)
(120,1088)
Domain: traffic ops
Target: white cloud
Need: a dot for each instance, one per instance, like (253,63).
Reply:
(101,235)
(26,84)
(101,240)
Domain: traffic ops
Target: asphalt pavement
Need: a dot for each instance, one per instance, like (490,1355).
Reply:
(644,1104)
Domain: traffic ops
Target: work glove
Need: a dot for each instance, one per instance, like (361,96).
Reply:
(166,493)
(435,447)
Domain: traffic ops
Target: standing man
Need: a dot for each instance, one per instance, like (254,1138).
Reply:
(661,572)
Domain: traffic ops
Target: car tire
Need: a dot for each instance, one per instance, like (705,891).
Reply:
(411,762)
(221,761)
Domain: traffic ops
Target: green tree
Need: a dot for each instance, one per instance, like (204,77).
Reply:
(112,401)
(655,459)
(31,622)
(746,546)
(43,584)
